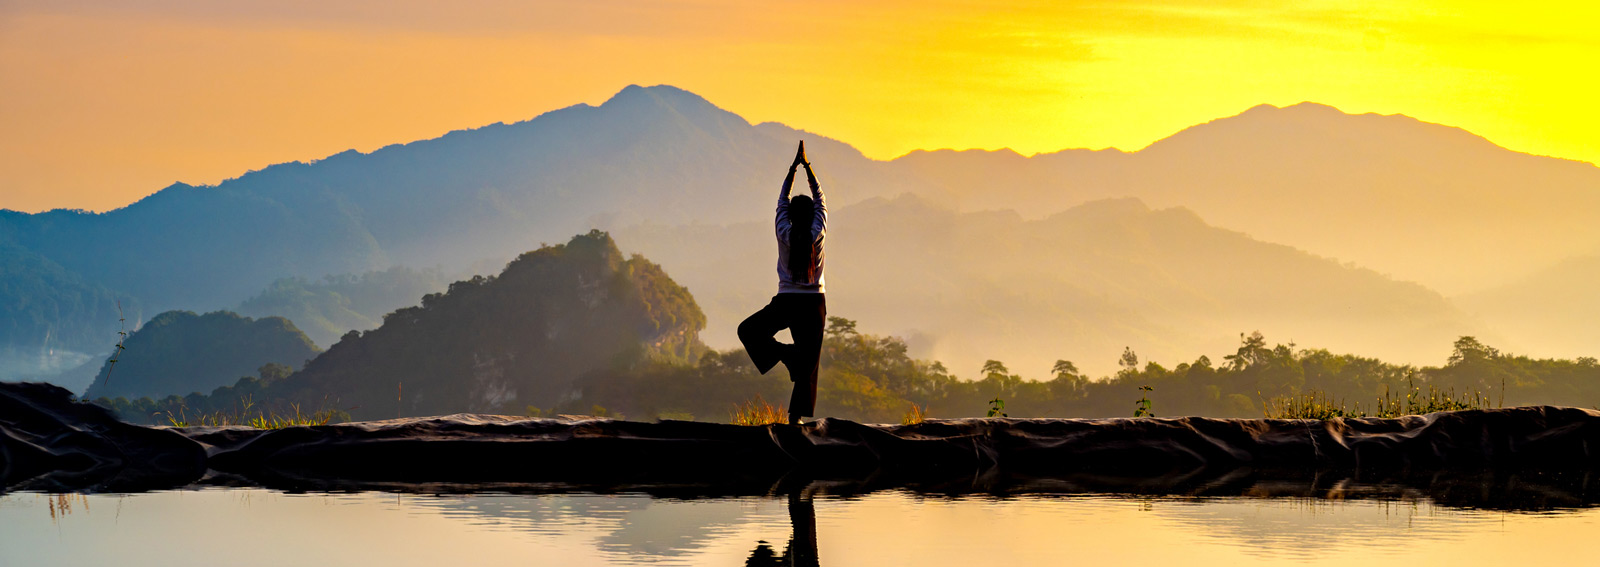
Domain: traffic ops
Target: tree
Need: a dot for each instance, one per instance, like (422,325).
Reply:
(1069,382)
(840,327)
(1468,350)
(1252,350)
(1064,369)
(1129,362)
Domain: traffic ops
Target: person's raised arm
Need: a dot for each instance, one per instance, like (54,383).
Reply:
(816,190)
(820,218)
(781,223)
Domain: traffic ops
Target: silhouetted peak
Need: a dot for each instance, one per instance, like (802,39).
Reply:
(1124,206)
(1314,123)
(1301,108)
(976,153)
(664,95)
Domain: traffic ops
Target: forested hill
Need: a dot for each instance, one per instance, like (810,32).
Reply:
(504,342)
(179,352)
(50,316)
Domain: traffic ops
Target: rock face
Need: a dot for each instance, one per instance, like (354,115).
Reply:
(52,442)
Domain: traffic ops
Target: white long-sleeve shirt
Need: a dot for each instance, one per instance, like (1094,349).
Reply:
(787,282)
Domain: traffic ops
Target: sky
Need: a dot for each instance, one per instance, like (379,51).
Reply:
(105,102)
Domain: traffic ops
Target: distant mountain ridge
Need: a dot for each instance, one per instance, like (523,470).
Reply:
(1423,202)
(1420,202)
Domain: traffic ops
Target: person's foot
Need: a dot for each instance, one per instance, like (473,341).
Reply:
(794,419)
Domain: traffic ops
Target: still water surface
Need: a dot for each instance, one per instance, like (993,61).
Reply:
(251,526)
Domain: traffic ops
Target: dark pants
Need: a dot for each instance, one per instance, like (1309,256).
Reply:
(804,314)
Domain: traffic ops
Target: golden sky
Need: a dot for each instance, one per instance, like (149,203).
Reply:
(104,102)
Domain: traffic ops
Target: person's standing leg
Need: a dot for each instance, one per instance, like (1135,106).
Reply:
(756,333)
(810,314)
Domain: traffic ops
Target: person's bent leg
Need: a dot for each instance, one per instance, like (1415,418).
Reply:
(756,333)
(809,318)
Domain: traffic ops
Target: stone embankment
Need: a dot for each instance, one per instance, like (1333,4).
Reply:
(49,442)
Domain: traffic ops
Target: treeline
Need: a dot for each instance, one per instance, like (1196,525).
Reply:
(872,378)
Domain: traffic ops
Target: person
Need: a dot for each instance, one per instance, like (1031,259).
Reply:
(800,304)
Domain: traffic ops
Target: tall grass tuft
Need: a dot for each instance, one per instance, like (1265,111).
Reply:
(917,414)
(758,412)
(258,419)
(1315,404)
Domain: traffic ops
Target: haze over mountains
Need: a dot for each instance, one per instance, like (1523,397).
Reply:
(1419,202)
(1077,285)
(1423,202)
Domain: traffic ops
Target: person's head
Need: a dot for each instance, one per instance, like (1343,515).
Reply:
(801,209)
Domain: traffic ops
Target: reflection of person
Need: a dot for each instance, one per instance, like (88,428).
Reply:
(802,548)
(799,305)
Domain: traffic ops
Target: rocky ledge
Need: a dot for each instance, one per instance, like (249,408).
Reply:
(50,442)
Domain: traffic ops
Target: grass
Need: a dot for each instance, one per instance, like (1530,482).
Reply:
(758,412)
(258,420)
(1315,404)
(917,414)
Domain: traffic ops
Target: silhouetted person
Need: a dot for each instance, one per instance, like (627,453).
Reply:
(799,305)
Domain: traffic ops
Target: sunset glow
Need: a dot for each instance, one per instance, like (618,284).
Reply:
(105,103)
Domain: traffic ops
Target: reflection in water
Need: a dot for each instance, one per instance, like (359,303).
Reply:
(790,526)
(61,504)
(802,548)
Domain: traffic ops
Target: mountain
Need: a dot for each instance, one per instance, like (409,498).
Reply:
(1419,201)
(1077,285)
(501,343)
(1554,312)
(660,153)
(334,305)
(52,319)
(1416,201)
(179,352)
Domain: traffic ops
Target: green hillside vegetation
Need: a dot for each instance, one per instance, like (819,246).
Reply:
(328,308)
(179,352)
(52,313)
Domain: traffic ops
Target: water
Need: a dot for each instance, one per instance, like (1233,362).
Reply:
(253,526)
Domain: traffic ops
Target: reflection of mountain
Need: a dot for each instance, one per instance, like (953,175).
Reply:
(1080,285)
(636,527)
